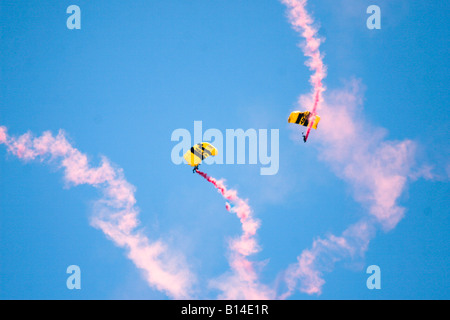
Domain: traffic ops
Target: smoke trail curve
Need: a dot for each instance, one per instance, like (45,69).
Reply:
(243,283)
(116,213)
(377,170)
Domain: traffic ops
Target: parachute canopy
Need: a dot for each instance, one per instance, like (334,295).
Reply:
(304,118)
(199,152)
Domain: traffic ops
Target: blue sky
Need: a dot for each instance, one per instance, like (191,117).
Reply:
(136,72)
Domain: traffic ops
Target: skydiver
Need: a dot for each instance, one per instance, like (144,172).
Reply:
(195,169)
(304,137)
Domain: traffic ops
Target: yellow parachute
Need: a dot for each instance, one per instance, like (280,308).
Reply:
(198,153)
(303,118)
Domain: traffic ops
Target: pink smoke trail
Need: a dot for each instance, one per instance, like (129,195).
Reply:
(116,212)
(243,283)
(302,22)
(376,170)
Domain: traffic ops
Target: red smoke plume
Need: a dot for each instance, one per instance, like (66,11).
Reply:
(302,22)
(243,283)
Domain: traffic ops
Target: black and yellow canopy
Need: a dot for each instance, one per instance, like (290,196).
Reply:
(304,119)
(199,152)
